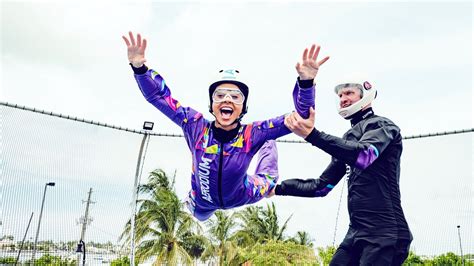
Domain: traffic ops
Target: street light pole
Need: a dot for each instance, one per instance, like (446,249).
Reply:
(39,220)
(147,126)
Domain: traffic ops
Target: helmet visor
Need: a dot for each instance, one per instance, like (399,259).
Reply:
(228,94)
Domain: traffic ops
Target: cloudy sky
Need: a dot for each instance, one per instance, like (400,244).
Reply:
(70,59)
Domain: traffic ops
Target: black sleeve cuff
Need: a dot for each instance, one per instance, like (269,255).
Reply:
(313,137)
(139,71)
(298,187)
(278,190)
(305,84)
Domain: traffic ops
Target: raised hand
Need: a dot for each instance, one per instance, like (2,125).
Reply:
(136,49)
(308,69)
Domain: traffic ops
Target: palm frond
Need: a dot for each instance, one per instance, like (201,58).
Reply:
(161,225)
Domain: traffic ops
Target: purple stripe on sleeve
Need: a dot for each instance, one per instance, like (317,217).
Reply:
(324,191)
(367,157)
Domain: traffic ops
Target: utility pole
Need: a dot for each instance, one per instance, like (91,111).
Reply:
(460,244)
(85,220)
(23,241)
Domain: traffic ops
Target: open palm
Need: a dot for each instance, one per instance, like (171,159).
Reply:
(308,68)
(136,49)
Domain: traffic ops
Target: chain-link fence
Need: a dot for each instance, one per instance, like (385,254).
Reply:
(82,157)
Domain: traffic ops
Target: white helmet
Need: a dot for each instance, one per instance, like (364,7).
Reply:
(229,76)
(368,94)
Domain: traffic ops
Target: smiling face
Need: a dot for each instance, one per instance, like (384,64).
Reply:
(227,110)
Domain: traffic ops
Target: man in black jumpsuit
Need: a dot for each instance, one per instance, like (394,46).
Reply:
(378,232)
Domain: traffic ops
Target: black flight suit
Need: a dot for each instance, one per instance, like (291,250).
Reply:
(378,232)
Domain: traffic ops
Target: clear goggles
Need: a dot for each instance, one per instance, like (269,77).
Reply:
(228,94)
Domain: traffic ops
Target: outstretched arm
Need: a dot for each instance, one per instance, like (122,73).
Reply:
(360,154)
(156,91)
(310,188)
(303,93)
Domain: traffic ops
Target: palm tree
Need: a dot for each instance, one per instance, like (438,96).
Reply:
(223,245)
(326,254)
(195,245)
(248,235)
(271,227)
(262,224)
(302,238)
(162,227)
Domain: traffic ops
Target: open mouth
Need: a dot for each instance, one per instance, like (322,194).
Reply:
(226,112)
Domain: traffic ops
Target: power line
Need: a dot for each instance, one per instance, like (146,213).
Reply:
(68,117)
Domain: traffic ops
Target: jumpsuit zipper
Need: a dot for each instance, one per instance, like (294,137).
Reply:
(219,176)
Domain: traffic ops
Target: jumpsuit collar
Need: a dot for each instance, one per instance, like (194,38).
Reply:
(361,115)
(224,136)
